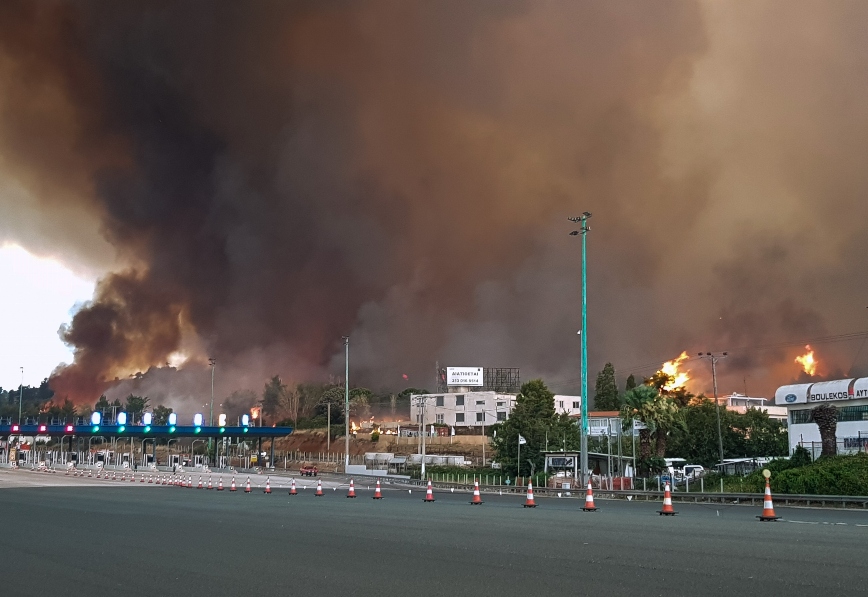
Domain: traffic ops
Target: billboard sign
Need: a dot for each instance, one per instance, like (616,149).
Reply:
(464,376)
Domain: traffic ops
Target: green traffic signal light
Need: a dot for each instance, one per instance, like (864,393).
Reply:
(172,429)
(95,428)
(198,429)
(147,428)
(222,430)
(121,429)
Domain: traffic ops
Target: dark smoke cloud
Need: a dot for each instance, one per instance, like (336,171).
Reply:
(274,176)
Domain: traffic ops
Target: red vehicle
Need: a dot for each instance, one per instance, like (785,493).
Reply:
(309,470)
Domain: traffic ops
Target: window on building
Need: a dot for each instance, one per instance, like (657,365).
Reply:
(459,400)
(501,403)
(802,415)
(577,405)
(439,419)
(480,417)
(439,400)
(419,418)
(561,404)
(459,417)
(480,402)
(853,413)
(501,416)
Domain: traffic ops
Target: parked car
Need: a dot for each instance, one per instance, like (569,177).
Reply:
(309,470)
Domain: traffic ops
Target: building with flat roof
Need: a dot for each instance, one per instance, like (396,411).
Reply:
(475,409)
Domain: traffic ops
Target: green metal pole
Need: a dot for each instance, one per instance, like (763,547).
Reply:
(584,444)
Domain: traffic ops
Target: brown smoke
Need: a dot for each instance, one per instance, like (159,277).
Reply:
(277,175)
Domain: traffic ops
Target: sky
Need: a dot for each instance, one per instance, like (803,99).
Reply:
(253,182)
(40,295)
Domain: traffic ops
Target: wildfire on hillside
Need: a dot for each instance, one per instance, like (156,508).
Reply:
(673,370)
(808,361)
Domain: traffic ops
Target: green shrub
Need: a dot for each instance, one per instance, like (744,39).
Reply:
(375,436)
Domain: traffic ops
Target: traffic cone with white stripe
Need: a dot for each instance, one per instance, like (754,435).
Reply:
(667,510)
(352,492)
(247,486)
(768,508)
(429,493)
(220,484)
(529,503)
(209,482)
(190,482)
(377,494)
(199,484)
(267,485)
(319,492)
(589,500)
(292,490)
(477,499)
(232,487)
(151,479)
(142,480)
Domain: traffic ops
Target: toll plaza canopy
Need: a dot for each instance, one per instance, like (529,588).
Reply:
(144,431)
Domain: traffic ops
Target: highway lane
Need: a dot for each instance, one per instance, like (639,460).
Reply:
(136,540)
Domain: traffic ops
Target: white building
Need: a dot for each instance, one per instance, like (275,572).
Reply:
(848,396)
(473,409)
(740,403)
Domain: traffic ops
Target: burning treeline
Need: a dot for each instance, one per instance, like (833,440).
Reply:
(260,180)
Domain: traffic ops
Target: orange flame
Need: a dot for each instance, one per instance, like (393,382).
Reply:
(679,378)
(353,427)
(807,361)
(255,412)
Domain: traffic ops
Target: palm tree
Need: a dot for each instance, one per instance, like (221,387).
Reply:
(659,414)
(826,418)
(638,406)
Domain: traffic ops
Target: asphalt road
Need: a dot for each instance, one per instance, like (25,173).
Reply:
(133,539)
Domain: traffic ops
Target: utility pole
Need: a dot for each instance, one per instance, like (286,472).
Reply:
(329,427)
(714,357)
(347,402)
(583,231)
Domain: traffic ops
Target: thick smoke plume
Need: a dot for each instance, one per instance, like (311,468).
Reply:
(273,176)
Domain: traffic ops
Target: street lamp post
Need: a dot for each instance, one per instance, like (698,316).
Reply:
(213,362)
(346,402)
(714,357)
(583,231)
(21,396)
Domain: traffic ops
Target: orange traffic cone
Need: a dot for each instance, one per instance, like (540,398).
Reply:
(667,503)
(190,482)
(768,508)
(319,492)
(142,480)
(232,487)
(90,473)
(267,485)
(429,494)
(114,476)
(199,484)
(529,503)
(352,492)
(589,500)
(247,487)
(220,484)
(151,479)
(377,494)
(209,483)
(477,499)
(292,490)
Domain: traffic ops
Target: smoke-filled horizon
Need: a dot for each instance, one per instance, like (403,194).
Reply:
(257,181)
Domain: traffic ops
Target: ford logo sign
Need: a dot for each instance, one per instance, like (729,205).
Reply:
(790,397)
